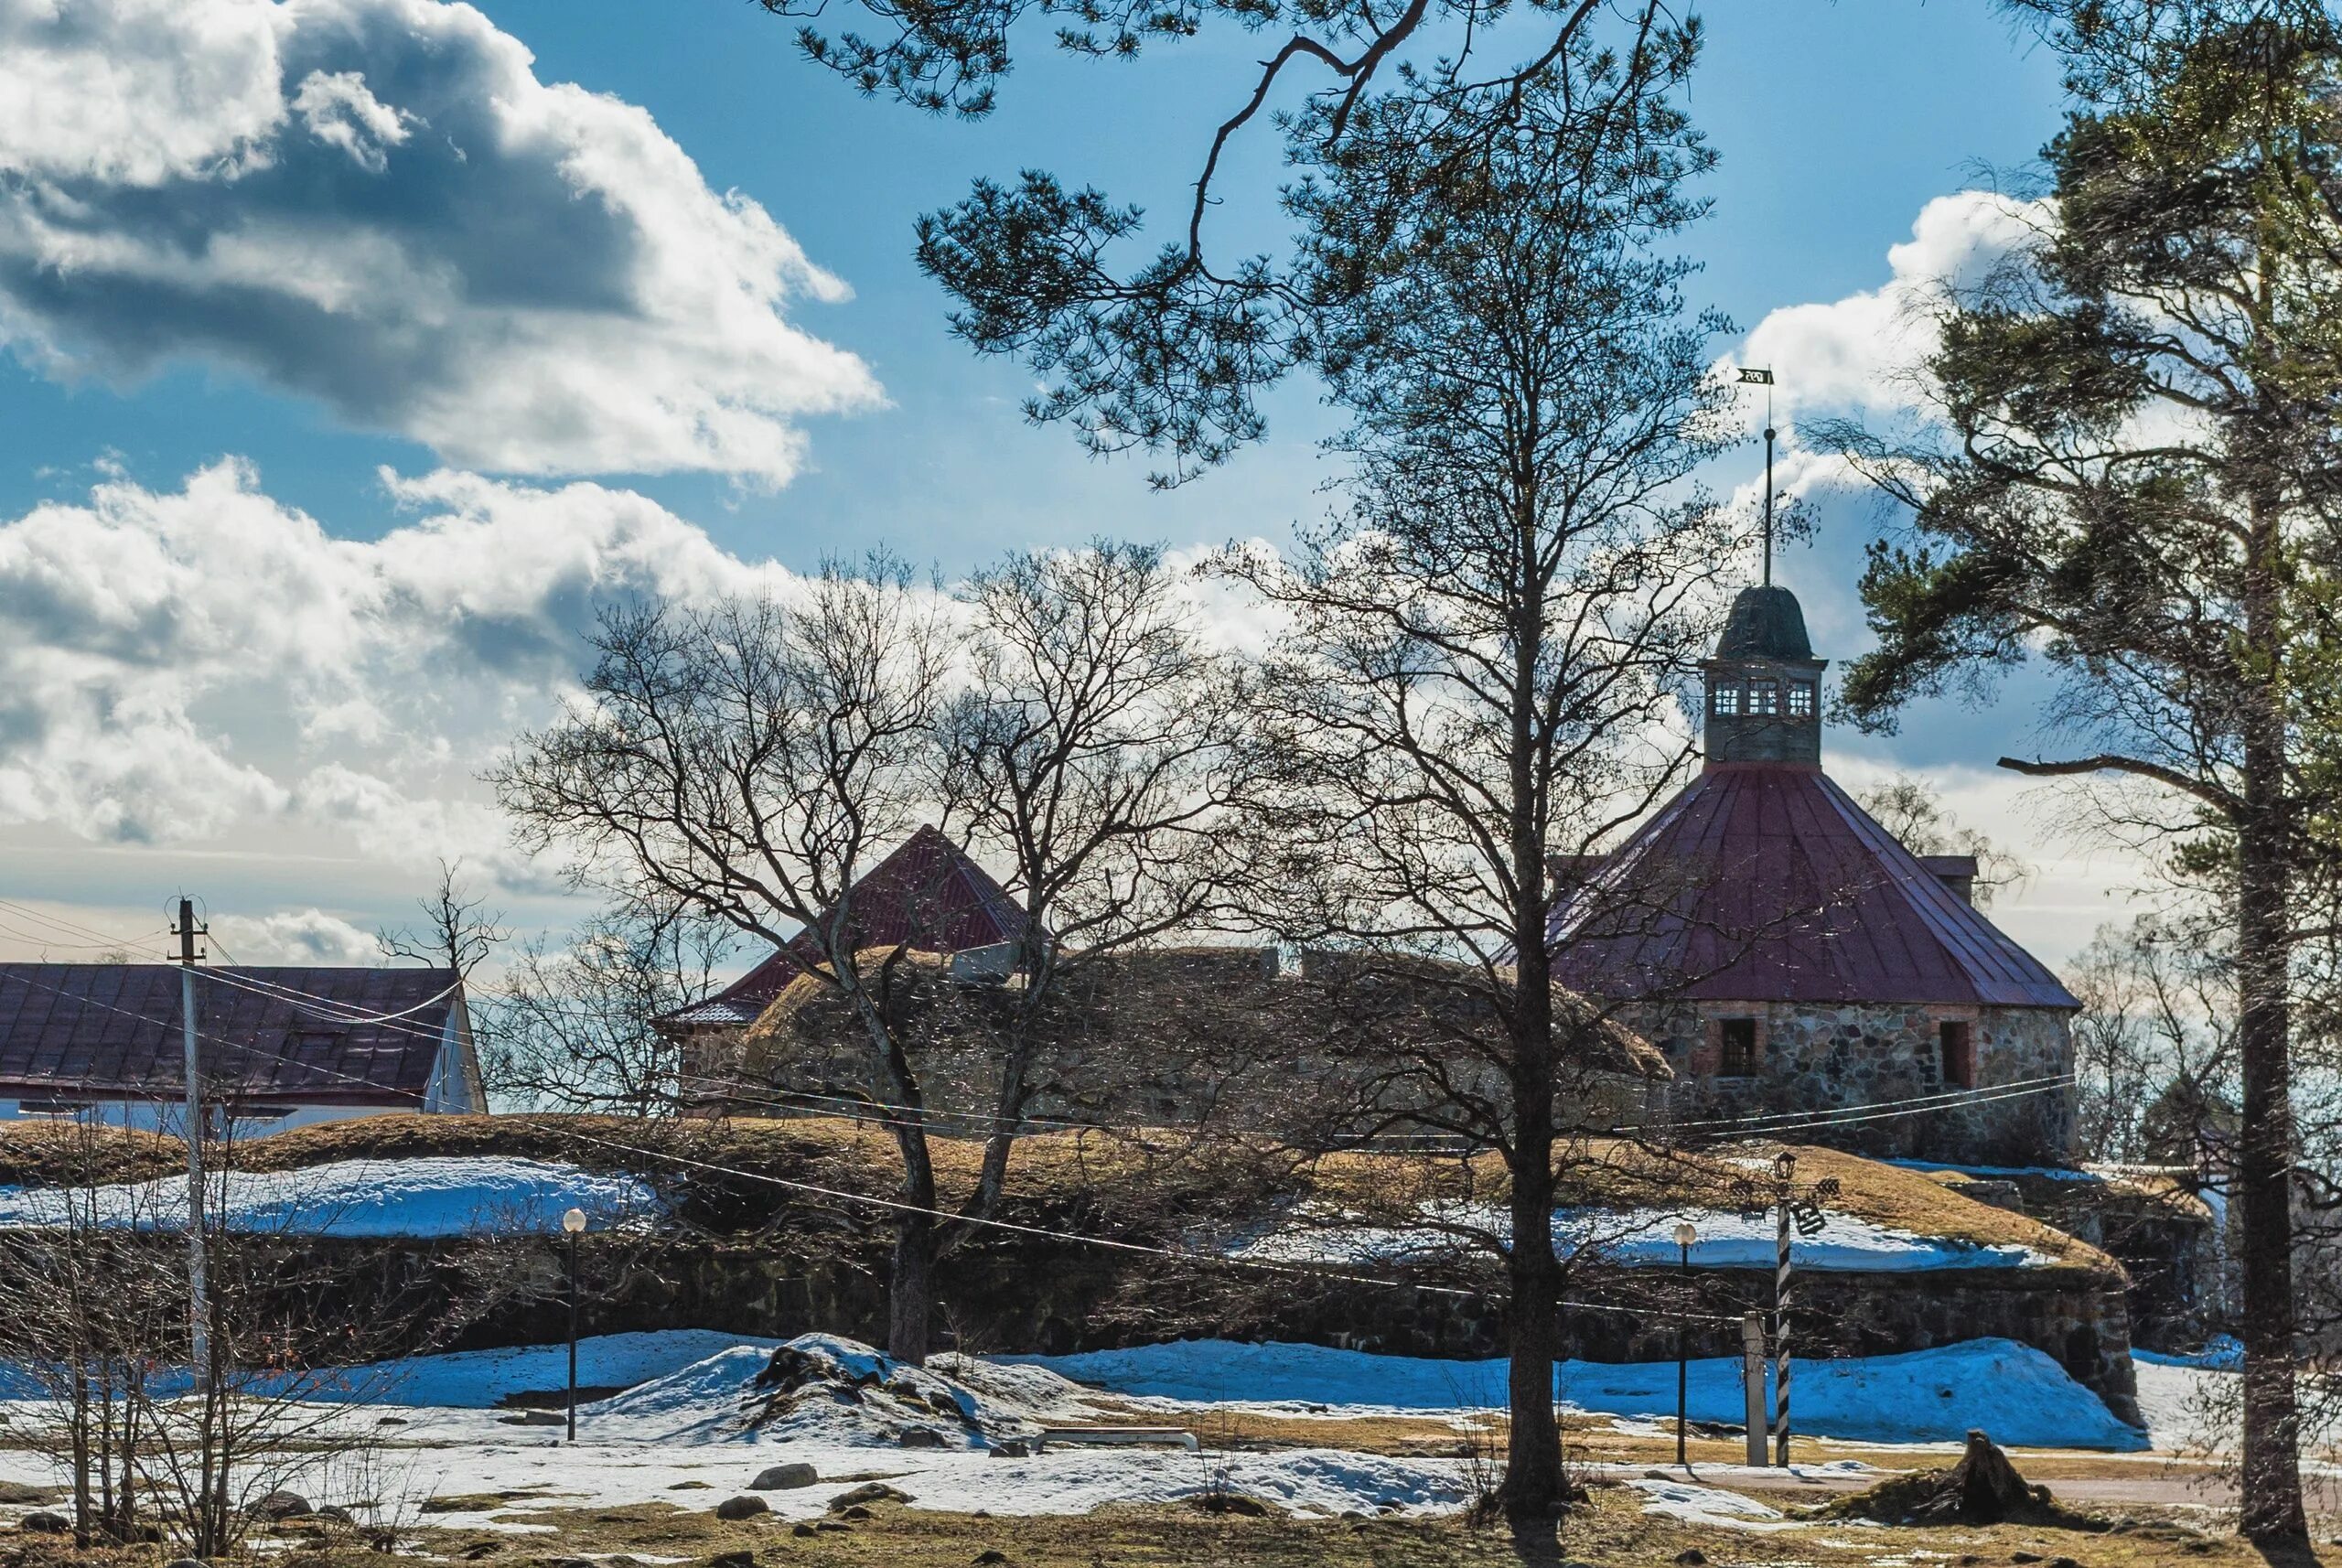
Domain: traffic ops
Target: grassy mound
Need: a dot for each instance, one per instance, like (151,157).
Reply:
(66,1154)
(746,1173)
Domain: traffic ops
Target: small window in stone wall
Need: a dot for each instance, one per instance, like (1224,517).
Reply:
(1956,1053)
(1726,697)
(1763,697)
(1736,1047)
(1801,699)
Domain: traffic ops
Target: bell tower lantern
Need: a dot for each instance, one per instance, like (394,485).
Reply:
(1764,685)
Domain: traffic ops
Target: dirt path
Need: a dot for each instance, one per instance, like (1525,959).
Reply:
(2160,1480)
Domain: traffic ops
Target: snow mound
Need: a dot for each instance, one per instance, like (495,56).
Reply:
(708,1401)
(430,1197)
(2021,1395)
(826,1390)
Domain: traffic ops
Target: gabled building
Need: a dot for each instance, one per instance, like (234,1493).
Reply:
(1788,954)
(276,1047)
(927,895)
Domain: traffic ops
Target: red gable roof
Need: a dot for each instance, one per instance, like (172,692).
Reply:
(318,1036)
(928,895)
(1767,883)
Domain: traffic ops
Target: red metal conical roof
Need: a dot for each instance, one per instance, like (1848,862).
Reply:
(928,894)
(1767,883)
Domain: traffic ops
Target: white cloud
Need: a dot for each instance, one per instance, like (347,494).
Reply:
(341,111)
(294,936)
(377,204)
(176,666)
(1859,353)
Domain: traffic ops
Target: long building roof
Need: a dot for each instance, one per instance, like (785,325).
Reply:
(340,1036)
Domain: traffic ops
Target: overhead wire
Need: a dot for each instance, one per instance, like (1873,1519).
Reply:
(1754,1124)
(897,1206)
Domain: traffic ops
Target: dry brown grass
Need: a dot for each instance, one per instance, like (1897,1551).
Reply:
(1111,1173)
(1612,1531)
(65,1153)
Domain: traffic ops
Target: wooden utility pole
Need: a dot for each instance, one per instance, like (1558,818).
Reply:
(197,1303)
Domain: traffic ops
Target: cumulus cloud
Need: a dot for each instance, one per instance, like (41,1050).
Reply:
(294,936)
(1859,353)
(177,664)
(377,204)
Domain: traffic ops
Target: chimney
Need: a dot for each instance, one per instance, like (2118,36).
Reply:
(1956,872)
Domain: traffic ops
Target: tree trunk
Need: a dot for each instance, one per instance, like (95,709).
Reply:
(1534,1486)
(2271,1490)
(911,1281)
(910,1289)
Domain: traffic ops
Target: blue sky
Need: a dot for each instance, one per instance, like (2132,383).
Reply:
(1838,124)
(1837,121)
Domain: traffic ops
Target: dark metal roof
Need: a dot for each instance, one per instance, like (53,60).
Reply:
(926,894)
(1765,883)
(1765,623)
(114,1030)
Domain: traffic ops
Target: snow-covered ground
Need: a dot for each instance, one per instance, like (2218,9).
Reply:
(424,1198)
(2014,1391)
(705,1413)
(1727,1239)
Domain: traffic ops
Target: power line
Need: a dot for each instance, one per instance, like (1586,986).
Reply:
(897,1206)
(330,1008)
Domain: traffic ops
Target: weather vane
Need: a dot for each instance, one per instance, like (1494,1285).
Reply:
(1764,378)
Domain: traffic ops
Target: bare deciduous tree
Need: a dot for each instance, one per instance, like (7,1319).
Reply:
(458,929)
(579,1029)
(746,763)
(1095,750)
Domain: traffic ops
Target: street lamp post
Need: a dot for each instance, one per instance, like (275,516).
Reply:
(574,1223)
(1685,1234)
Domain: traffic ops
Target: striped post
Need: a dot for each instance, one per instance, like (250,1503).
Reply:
(1781,1337)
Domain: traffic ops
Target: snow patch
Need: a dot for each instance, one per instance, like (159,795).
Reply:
(1709,1506)
(2022,1396)
(1632,1238)
(430,1197)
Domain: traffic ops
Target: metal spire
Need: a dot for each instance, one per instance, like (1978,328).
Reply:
(1764,378)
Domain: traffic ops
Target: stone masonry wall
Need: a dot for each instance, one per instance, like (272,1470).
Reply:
(1818,1057)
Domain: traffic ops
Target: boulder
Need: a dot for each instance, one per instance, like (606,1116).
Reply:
(284,1505)
(783,1478)
(733,1560)
(919,1437)
(868,1492)
(44,1523)
(742,1506)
